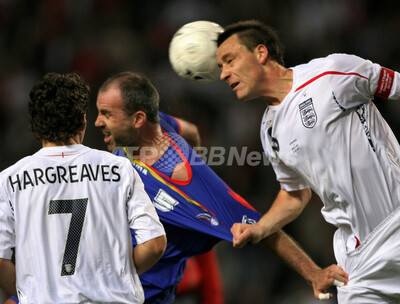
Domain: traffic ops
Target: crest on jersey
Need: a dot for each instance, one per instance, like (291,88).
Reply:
(208,218)
(307,113)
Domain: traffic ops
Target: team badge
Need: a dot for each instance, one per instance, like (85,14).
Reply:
(208,218)
(307,113)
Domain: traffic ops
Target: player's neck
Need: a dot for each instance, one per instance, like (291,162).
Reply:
(279,84)
(71,141)
(153,143)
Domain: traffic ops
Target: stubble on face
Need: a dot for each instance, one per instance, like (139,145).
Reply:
(236,62)
(116,124)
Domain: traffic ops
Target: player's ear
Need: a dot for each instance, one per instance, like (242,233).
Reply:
(261,53)
(84,122)
(138,119)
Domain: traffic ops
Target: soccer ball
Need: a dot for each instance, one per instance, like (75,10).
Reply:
(192,51)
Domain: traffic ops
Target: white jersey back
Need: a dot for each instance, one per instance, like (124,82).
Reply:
(67,210)
(328,135)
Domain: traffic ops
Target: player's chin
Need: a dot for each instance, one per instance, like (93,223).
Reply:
(242,95)
(246,96)
(110,146)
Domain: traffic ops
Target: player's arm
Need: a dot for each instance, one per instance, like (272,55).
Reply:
(148,253)
(367,78)
(286,207)
(293,255)
(144,221)
(189,132)
(8,276)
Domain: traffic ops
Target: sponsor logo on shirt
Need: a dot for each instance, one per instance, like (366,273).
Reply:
(308,114)
(164,202)
(208,218)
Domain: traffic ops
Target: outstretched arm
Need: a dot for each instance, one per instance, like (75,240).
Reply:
(8,277)
(293,255)
(286,207)
(148,253)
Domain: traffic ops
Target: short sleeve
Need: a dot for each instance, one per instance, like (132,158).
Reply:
(288,179)
(142,216)
(358,80)
(7,225)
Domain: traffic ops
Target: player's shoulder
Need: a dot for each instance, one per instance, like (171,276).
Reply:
(331,60)
(20,164)
(19,167)
(341,60)
(111,160)
(108,157)
(331,64)
(169,123)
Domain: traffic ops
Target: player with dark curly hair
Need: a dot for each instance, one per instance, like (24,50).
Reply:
(57,105)
(68,210)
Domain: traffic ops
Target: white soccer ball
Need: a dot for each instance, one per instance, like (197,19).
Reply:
(192,51)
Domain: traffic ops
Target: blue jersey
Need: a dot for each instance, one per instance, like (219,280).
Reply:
(196,213)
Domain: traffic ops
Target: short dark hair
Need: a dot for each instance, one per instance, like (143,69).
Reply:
(252,33)
(138,93)
(57,106)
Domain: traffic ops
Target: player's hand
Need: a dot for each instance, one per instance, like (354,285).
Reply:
(322,279)
(245,233)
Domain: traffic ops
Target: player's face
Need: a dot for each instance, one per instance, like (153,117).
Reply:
(240,68)
(115,124)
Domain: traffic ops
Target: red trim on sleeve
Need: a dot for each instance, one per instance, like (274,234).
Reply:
(177,122)
(385,83)
(327,73)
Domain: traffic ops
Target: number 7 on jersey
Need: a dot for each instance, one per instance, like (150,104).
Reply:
(77,208)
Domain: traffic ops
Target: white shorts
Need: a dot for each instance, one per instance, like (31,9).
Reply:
(374,267)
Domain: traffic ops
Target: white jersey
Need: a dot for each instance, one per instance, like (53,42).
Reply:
(328,135)
(67,210)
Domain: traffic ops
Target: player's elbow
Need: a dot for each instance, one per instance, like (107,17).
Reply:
(159,246)
(147,254)
(298,201)
(302,197)
(8,276)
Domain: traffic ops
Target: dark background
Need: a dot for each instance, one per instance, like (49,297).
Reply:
(98,38)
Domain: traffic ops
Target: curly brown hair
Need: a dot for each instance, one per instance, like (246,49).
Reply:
(252,33)
(57,106)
